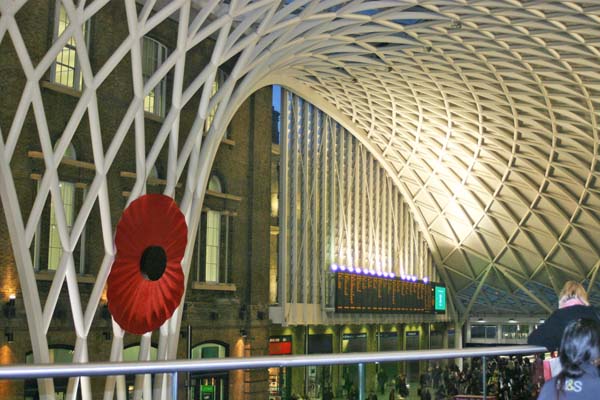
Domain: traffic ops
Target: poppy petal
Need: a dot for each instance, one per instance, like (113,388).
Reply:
(139,305)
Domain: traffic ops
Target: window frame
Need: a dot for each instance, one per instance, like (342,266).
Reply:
(212,248)
(71,48)
(220,261)
(217,84)
(159,92)
(486,330)
(78,194)
(67,189)
(131,353)
(60,384)
(220,378)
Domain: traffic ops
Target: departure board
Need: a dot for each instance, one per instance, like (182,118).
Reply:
(372,294)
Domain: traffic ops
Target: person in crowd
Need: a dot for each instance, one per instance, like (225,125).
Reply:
(440,393)
(347,386)
(436,375)
(353,393)
(579,354)
(572,304)
(392,395)
(372,395)
(401,386)
(425,394)
(381,379)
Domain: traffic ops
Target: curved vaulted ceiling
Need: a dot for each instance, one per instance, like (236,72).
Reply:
(486,113)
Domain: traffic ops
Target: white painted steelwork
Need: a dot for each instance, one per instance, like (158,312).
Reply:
(362,200)
(484,115)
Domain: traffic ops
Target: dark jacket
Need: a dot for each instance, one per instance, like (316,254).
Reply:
(549,334)
(586,387)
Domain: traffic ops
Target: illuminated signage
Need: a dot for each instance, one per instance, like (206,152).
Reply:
(440,298)
(364,293)
(280,345)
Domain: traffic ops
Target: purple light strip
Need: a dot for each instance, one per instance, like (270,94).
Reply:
(380,274)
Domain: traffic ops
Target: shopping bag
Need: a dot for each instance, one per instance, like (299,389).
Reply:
(552,367)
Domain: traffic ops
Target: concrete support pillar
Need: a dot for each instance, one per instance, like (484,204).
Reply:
(371,369)
(458,342)
(336,372)
(444,328)
(298,373)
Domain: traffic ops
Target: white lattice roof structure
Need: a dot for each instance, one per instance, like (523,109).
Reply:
(485,113)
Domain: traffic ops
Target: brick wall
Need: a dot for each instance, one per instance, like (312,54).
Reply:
(243,163)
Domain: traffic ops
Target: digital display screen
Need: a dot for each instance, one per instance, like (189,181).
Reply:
(372,294)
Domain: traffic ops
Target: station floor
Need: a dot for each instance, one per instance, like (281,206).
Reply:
(386,395)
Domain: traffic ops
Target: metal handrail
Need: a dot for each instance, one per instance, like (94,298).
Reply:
(25,371)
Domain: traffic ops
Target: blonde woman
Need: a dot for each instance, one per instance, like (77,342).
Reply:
(573,304)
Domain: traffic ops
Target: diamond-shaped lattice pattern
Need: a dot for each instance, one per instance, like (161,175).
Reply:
(484,113)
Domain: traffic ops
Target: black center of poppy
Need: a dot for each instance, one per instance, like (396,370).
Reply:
(153,262)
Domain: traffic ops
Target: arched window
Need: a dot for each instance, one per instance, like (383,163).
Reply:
(67,194)
(153,181)
(132,353)
(213,236)
(48,249)
(154,54)
(58,354)
(213,384)
(66,69)
(216,85)
(209,350)
(153,173)
(214,184)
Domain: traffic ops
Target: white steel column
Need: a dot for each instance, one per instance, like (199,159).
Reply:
(315,197)
(295,237)
(284,205)
(304,214)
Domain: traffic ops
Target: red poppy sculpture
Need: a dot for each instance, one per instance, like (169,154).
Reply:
(146,282)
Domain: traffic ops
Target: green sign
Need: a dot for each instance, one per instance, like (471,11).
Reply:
(207,392)
(440,298)
(207,389)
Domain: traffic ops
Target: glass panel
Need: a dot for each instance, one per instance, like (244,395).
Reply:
(208,350)
(490,332)
(154,54)
(132,353)
(67,192)
(214,184)
(66,69)
(483,331)
(212,112)
(56,355)
(515,331)
(216,85)
(213,232)
(61,355)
